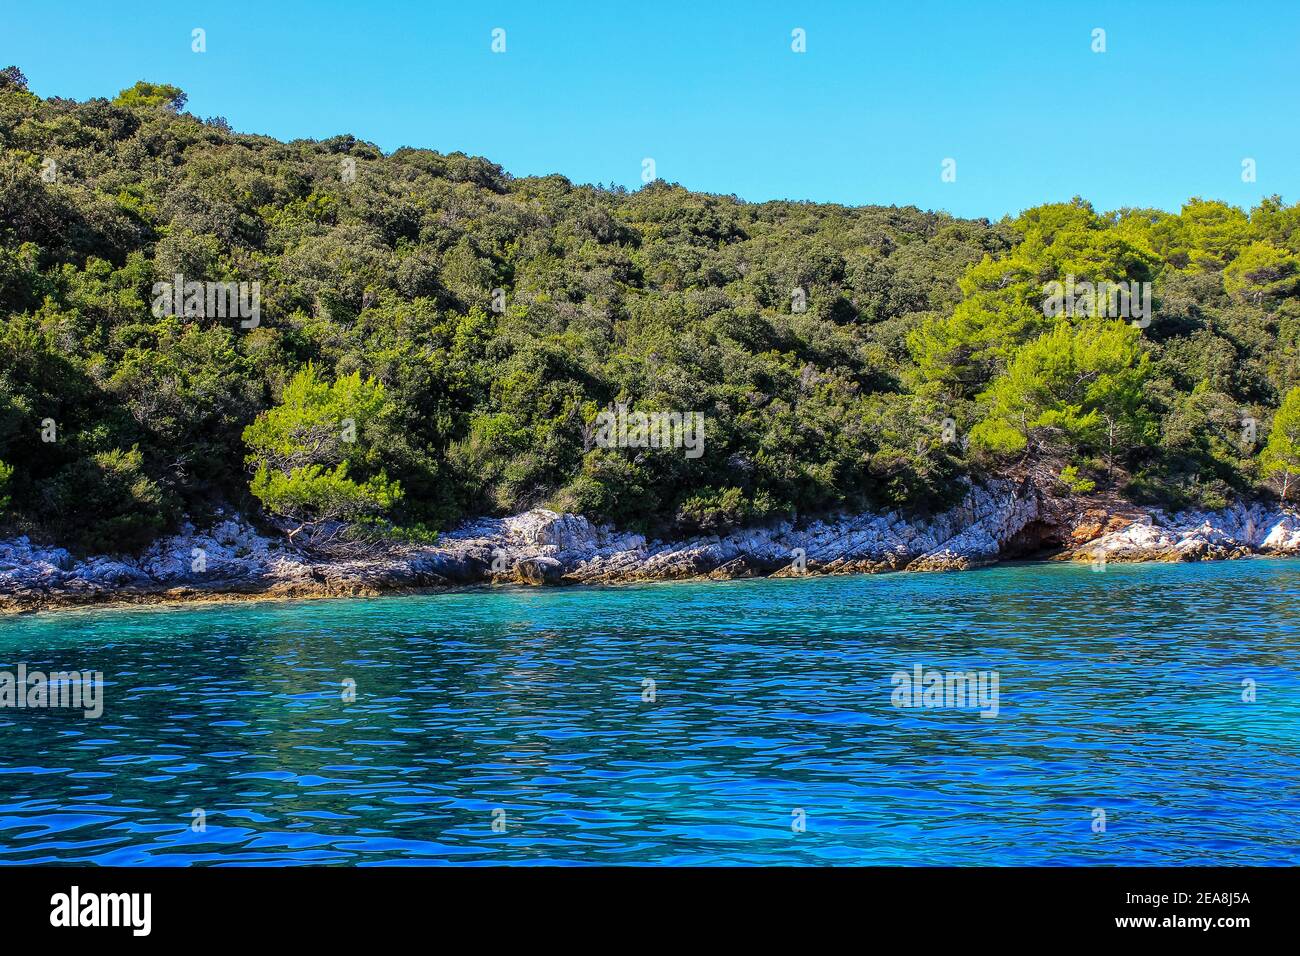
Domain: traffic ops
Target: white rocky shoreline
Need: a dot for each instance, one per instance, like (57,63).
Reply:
(998,520)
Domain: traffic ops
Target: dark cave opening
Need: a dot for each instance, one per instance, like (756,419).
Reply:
(1037,539)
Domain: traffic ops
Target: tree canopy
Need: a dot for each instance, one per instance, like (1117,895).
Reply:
(472,325)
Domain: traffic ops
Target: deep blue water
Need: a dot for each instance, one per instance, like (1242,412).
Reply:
(1119,691)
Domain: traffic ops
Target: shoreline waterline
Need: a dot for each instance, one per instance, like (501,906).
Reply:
(65,604)
(234,561)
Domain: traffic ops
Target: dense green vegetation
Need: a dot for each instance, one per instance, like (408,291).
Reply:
(435,338)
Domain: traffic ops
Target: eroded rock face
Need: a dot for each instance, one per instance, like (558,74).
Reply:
(737,568)
(541,547)
(539,570)
(1238,531)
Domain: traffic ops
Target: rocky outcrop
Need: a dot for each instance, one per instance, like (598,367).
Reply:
(993,521)
(970,534)
(1238,531)
(538,570)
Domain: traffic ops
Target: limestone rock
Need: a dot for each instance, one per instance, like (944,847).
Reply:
(991,521)
(538,571)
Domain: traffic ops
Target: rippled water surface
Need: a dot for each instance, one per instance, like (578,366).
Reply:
(1119,691)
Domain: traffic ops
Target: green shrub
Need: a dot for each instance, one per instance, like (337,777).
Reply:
(311,493)
(6,472)
(106,503)
(304,449)
(1072,480)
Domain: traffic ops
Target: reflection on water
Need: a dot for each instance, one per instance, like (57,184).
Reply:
(1119,691)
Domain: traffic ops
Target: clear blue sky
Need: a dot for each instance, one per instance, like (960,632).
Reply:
(713,92)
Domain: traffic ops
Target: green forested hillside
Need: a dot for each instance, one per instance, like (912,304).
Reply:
(471,325)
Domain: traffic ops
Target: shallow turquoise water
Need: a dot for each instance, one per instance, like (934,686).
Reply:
(1119,691)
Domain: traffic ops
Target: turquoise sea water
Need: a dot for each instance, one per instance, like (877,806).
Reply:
(1118,691)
